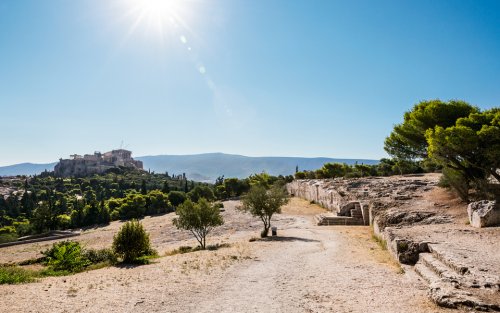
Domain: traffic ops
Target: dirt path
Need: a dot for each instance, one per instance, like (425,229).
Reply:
(308,269)
(311,270)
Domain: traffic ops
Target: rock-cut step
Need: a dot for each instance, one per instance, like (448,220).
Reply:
(450,289)
(439,268)
(329,220)
(426,273)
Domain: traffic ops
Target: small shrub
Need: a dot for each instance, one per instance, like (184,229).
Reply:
(32,261)
(115,215)
(218,246)
(7,230)
(100,256)
(8,238)
(182,250)
(66,256)
(185,249)
(132,242)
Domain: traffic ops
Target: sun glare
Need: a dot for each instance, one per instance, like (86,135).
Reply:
(157,16)
(156,10)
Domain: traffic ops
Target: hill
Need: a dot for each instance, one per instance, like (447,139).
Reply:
(25,169)
(208,166)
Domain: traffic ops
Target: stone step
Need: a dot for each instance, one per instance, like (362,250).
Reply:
(438,267)
(426,273)
(340,223)
(458,268)
(337,220)
(469,277)
(449,289)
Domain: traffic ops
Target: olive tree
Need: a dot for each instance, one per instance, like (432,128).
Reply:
(264,203)
(200,218)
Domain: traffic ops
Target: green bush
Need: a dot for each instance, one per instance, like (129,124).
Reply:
(176,198)
(115,215)
(8,238)
(7,230)
(23,227)
(66,256)
(132,242)
(63,221)
(100,256)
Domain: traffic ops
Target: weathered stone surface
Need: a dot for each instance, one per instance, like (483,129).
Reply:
(454,289)
(340,195)
(421,228)
(484,213)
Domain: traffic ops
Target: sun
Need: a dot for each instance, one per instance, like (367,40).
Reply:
(157,16)
(156,10)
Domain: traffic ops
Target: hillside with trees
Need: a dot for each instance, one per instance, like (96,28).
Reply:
(43,203)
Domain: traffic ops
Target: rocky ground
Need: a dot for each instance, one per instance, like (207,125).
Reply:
(460,262)
(308,268)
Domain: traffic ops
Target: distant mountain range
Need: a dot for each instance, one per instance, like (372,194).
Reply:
(208,166)
(25,169)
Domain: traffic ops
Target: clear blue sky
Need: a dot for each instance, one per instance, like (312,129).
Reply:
(253,77)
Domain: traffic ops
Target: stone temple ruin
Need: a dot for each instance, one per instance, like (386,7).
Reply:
(96,163)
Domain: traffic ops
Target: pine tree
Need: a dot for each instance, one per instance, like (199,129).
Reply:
(166,187)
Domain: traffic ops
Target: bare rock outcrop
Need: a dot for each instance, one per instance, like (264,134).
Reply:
(484,213)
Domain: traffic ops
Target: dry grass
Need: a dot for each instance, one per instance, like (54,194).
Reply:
(298,206)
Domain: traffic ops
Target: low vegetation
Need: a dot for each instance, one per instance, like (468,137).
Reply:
(66,256)
(188,249)
(380,241)
(17,275)
(63,258)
